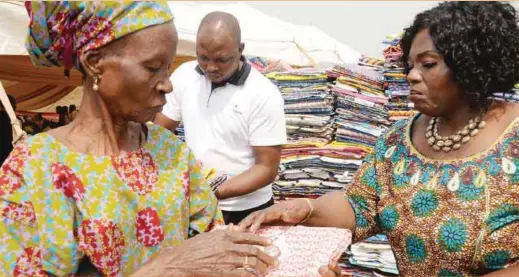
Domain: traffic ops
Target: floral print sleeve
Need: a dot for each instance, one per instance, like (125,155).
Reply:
(59,207)
(363,198)
(34,241)
(204,214)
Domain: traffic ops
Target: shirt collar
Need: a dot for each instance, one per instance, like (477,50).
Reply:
(238,78)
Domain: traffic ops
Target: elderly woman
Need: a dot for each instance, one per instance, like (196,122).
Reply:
(108,189)
(443,185)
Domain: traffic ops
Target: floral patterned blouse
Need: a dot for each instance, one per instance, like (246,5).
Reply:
(455,217)
(58,206)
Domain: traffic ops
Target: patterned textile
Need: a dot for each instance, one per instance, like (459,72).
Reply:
(454,217)
(302,250)
(60,206)
(61,31)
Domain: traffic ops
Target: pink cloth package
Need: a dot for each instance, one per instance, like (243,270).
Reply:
(301,250)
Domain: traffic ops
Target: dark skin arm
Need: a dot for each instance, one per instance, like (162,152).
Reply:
(507,272)
(330,210)
(262,173)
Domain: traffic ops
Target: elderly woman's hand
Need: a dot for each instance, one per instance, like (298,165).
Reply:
(218,253)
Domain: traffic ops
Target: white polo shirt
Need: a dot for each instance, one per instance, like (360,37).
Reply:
(222,125)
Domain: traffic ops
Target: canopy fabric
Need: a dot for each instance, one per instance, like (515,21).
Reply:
(13,28)
(264,36)
(32,96)
(20,68)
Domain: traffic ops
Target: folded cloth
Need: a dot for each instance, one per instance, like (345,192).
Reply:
(302,250)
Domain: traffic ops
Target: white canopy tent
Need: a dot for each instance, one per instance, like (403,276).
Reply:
(264,35)
(13,28)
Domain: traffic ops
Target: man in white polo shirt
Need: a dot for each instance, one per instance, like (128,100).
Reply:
(233,117)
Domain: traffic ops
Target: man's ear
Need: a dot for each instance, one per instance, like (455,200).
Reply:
(90,62)
(242,46)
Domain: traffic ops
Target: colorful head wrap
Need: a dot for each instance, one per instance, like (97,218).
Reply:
(60,32)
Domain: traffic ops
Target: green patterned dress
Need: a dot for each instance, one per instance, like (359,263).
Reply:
(457,217)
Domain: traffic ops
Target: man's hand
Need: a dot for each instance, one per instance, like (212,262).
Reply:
(261,174)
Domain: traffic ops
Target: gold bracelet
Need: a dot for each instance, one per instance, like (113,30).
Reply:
(309,213)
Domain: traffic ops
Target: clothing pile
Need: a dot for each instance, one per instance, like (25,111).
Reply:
(372,257)
(312,171)
(310,165)
(360,114)
(308,105)
(511,96)
(395,83)
(374,62)
(180,132)
(266,66)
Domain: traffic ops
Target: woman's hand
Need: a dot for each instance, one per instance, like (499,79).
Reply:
(332,270)
(214,254)
(285,213)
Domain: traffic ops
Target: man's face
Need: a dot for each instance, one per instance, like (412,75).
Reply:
(218,55)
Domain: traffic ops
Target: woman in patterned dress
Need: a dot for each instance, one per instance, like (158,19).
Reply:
(108,189)
(444,185)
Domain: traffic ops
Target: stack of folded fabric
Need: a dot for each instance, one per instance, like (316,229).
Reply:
(314,165)
(312,171)
(395,83)
(360,115)
(310,165)
(308,105)
(265,65)
(180,132)
(511,96)
(371,257)
(373,62)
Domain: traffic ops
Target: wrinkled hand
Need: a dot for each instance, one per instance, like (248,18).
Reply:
(285,213)
(332,270)
(214,254)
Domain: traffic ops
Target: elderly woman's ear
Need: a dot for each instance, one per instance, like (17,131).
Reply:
(90,62)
